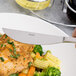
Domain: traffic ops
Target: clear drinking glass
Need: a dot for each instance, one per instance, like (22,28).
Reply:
(35,4)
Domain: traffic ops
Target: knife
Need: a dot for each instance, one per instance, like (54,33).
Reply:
(36,38)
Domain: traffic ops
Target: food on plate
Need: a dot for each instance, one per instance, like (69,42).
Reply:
(51,57)
(38,48)
(19,59)
(50,71)
(14,56)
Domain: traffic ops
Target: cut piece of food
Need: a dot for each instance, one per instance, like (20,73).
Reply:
(33,54)
(38,48)
(31,71)
(40,63)
(25,71)
(22,74)
(38,56)
(51,57)
(52,64)
(52,71)
(16,56)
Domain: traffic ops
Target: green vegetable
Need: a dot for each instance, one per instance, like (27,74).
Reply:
(38,48)
(29,64)
(16,57)
(1,45)
(8,41)
(0,35)
(12,45)
(24,58)
(10,50)
(2,59)
(13,56)
(39,74)
(36,74)
(42,74)
(52,71)
(4,45)
(14,51)
(16,74)
(5,36)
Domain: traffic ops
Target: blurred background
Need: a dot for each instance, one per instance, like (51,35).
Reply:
(55,14)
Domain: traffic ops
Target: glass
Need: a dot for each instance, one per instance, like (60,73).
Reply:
(56,15)
(50,14)
(35,4)
(71,10)
(71,4)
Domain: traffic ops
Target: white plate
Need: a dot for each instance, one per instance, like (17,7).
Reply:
(65,52)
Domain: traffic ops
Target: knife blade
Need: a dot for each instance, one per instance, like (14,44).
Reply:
(36,38)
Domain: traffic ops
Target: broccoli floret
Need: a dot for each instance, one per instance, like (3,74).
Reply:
(42,74)
(52,71)
(38,48)
(36,74)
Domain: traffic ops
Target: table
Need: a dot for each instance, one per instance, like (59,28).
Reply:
(10,6)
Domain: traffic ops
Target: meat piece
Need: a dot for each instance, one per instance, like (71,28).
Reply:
(13,65)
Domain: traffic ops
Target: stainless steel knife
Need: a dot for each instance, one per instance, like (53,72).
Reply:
(36,38)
